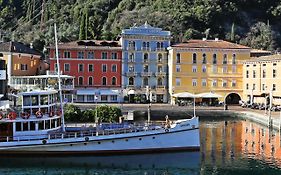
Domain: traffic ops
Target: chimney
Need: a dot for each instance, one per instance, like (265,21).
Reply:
(31,45)
(216,39)
(204,39)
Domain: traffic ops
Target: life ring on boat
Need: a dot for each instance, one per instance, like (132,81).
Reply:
(25,115)
(51,114)
(87,139)
(44,141)
(166,130)
(12,116)
(39,114)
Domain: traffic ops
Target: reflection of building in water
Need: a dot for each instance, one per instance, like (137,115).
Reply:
(261,142)
(222,142)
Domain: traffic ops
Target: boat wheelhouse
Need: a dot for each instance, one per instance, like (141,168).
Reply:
(38,117)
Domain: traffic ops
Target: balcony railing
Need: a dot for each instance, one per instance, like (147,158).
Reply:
(131,60)
(131,74)
(146,74)
(131,48)
(145,48)
(160,74)
(160,49)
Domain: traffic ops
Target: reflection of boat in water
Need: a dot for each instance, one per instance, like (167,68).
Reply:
(182,160)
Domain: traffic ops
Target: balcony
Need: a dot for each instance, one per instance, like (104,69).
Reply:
(145,48)
(131,74)
(131,60)
(131,48)
(145,61)
(160,74)
(160,49)
(144,74)
(160,87)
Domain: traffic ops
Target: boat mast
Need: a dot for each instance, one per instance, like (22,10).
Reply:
(58,67)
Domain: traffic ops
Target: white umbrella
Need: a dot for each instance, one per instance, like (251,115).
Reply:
(208,95)
(185,95)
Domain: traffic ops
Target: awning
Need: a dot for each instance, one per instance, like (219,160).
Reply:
(185,95)
(131,92)
(97,92)
(109,92)
(86,92)
(208,95)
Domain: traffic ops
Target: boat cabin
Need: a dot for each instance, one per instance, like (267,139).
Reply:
(38,117)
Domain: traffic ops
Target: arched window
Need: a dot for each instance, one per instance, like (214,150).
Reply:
(162,45)
(194,58)
(144,44)
(158,45)
(145,81)
(160,57)
(145,57)
(178,58)
(90,81)
(131,81)
(214,58)
(104,81)
(134,44)
(80,81)
(147,44)
(131,57)
(224,61)
(234,58)
(204,59)
(160,82)
(113,81)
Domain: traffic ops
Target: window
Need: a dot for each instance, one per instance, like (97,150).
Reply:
(274,73)
(90,81)
(145,68)
(204,82)
(80,67)
(224,69)
(113,98)
(204,68)
(233,83)
(204,59)
(114,56)
(80,81)
(178,81)
(247,86)
(194,68)
(132,44)
(67,54)
(56,67)
(194,82)
(214,58)
(178,68)
(214,83)
(104,55)
(224,83)
(274,64)
(91,68)
(103,97)
(178,58)
(160,68)
(80,55)
(273,87)
(90,55)
(234,69)
(23,66)
(263,87)
(263,73)
(131,81)
(145,81)
(254,74)
(234,58)
(254,86)
(113,81)
(215,69)
(224,61)
(66,67)
(160,57)
(160,82)
(263,64)
(194,58)
(131,68)
(131,57)
(104,68)
(145,57)
(114,68)
(247,74)
(144,44)
(104,81)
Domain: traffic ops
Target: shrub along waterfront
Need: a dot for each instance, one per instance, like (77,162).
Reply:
(104,113)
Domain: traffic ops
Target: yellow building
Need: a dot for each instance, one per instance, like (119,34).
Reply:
(260,76)
(200,66)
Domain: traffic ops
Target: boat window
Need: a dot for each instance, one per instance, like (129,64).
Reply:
(25,126)
(34,99)
(59,122)
(53,123)
(18,126)
(44,110)
(3,127)
(41,125)
(32,126)
(26,101)
(47,124)
(44,99)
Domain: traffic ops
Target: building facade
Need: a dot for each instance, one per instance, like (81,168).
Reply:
(145,66)
(96,66)
(262,76)
(202,66)
(21,60)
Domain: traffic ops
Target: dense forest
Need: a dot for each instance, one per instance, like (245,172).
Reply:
(255,23)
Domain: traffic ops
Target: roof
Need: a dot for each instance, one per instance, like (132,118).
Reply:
(265,58)
(217,44)
(260,51)
(39,92)
(17,47)
(89,44)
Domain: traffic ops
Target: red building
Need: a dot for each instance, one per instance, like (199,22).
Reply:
(96,66)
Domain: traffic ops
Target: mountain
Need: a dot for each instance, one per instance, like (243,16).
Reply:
(251,22)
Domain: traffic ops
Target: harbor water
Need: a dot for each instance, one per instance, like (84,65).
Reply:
(228,146)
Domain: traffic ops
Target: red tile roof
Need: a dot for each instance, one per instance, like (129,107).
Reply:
(88,43)
(218,44)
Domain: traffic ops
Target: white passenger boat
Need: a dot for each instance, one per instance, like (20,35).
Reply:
(38,129)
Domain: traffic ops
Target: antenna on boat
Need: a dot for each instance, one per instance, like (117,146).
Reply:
(58,67)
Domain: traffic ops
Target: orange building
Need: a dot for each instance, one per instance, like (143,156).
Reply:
(21,60)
